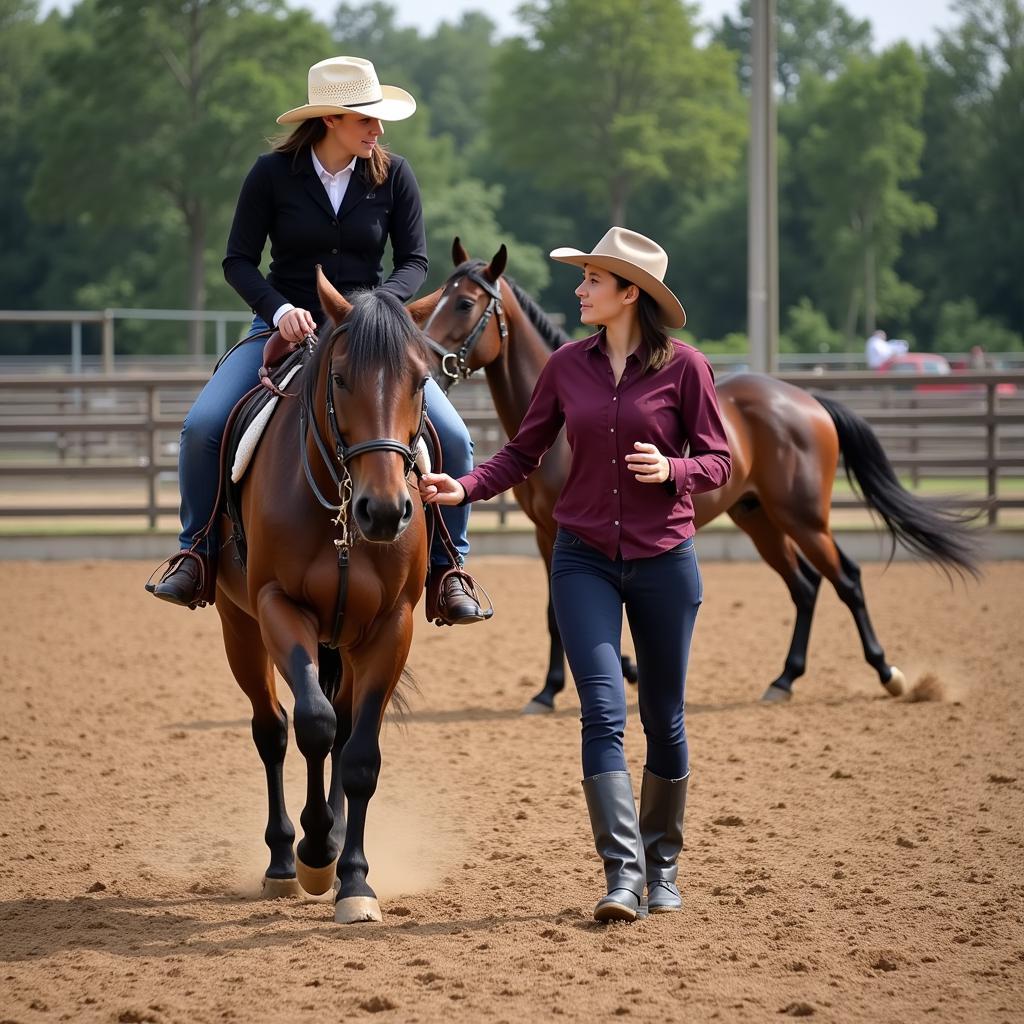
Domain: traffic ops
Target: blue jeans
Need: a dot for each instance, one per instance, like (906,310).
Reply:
(661,595)
(199,447)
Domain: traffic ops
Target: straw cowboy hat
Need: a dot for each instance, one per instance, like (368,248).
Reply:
(639,260)
(348,85)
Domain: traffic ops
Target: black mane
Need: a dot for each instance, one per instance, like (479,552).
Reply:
(553,336)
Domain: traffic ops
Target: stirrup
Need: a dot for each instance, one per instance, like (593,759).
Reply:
(435,588)
(172,563)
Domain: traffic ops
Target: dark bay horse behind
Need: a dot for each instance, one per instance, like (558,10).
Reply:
(328,484)
(785,446)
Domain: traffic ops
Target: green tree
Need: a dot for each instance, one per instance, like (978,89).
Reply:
(606,97)
(812,37)
(447,71)
(159,107)
(973,166)
(861,146)
(959,328)
(808,330)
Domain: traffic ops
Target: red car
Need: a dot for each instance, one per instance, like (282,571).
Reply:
(934,365)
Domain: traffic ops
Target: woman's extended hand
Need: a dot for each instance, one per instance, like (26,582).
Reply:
(649,465)
(441,489)
(296,324)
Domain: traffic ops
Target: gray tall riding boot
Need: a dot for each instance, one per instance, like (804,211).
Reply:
(617,839)
(662,804)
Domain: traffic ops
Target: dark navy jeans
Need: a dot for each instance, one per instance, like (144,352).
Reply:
(661,596)
(199,448)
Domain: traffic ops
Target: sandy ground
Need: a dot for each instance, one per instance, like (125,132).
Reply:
(849,857)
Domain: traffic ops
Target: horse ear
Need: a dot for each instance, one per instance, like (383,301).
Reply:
(422,308)
(459,254)
(333,303)
(496,267)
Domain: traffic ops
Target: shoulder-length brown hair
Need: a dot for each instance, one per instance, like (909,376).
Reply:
(308,133)
(656,349)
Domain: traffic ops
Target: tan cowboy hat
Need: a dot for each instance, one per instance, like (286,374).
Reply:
(636,258)
(348,85)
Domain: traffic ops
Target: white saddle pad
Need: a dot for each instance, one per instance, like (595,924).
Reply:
(251,438)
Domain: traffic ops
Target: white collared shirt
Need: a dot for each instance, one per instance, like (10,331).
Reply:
(336,185)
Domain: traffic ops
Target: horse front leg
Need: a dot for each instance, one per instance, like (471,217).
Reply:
(252,668)
(290,635)
(377,669)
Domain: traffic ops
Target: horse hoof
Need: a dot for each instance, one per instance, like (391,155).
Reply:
(896,684)
(357,909)
(316,881)
(279,888)
(776,695)
(536,707)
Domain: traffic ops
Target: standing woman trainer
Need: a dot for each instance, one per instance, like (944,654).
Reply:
(330,194)
(633,401)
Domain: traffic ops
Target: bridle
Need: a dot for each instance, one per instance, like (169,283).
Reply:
(338,462)
(337,466)
(455,365)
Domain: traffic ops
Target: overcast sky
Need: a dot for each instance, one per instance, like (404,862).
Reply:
(914,20)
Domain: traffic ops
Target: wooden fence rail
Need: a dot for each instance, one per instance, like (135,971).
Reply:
(126,426)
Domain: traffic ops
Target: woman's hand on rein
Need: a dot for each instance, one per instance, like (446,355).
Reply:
(296,324)
(441,489)
(649,465)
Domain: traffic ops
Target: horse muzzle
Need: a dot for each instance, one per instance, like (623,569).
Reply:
(382,519)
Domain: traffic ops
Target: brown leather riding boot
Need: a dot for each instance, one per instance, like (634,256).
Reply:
(451,598)
(184,581)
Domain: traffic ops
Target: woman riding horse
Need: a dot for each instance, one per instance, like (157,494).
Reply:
(330,195)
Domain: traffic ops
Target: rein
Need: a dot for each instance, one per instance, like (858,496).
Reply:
(454,365)
(337,466)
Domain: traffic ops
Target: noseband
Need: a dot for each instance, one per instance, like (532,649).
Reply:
(455,364)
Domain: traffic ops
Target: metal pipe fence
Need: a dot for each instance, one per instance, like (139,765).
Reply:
(81,428)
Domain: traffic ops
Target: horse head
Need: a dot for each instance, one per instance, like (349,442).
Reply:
(467,328)
(372,368)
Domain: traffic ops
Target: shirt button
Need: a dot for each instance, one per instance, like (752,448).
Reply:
(613,462)
(613,430)
(615,490)
(615,399)
(616,522)
(334,251)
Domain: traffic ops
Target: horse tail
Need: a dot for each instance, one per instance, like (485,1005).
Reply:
(929,528)
(329,670)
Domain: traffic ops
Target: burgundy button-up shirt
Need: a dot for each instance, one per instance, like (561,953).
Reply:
(674,408)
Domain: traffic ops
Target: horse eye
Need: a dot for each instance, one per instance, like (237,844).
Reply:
(422,384)
(339,381)
(465,305)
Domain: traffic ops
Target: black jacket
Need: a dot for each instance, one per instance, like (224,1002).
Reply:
(283,198)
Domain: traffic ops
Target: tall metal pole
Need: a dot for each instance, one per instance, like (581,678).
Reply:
(762,211)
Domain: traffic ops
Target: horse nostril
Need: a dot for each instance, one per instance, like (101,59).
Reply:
(407,513)
(363,509)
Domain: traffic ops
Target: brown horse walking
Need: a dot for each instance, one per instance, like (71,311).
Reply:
(332,466)
(785,446)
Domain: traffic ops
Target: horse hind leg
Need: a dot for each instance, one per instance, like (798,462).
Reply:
(251,667)
(844,574)
(554,682)
(802,581)
(339,689)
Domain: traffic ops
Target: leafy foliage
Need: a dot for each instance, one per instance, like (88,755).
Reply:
(127,127)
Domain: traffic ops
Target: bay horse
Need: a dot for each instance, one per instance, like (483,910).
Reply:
(785,446)
(337,559)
